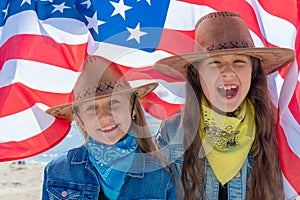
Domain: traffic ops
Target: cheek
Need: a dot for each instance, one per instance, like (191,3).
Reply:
(204,84)
(89,120)
(90,124)
(121,112)
(245,77)
(122,116)
(207,83)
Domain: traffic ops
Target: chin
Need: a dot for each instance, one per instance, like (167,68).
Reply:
(232,109)
(227,109)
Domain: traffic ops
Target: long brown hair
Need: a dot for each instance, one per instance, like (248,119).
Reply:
(140,128)
(265,179)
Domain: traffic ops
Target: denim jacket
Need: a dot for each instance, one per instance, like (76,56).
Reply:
(170,137)
(73,176)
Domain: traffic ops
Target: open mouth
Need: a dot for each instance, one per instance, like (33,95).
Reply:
(228,91)
(108,128)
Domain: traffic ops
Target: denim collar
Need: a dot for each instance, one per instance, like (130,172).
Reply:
(137,169)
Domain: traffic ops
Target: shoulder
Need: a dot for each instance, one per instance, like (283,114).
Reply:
(147,168)
(144,163)
(158,173)
(152,163)
(170,137)
(150,180)
(72,165)
(171,127)
(174,118)
(156,168)
(65,159)
(171,130)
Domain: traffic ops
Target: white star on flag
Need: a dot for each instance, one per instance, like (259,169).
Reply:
(59,8)
(5,11)
(120,8)
(87,3)
(26,1)
(135,33)
(94,22)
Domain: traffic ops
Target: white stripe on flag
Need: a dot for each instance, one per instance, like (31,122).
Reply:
(56,28)
(274,28)
(128,56)
(290,84)
(290,193)
(291,129)
(168,92)
(186,15)
(38,76)
(25,124)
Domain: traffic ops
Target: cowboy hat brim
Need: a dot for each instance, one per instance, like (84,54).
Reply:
(65,111)
(272,59)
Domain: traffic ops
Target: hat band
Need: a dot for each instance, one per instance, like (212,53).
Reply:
(103,88)
(228,45)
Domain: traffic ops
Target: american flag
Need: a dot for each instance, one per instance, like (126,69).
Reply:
(44,42)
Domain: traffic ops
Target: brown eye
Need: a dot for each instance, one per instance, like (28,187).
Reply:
(213,63)
(115,103)
(239,61)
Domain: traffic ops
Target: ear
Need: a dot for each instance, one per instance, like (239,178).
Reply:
(133,107)
(133,115)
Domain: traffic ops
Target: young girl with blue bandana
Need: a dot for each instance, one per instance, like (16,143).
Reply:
(119,158)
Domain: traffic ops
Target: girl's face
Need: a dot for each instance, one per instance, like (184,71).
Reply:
(226,80)
(107,120)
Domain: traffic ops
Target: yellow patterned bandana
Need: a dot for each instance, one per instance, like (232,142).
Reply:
(227,140)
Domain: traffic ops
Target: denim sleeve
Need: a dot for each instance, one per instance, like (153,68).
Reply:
(170,138)
(171,192)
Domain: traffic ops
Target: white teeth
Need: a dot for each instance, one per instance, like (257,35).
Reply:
(228,87)
(107,128)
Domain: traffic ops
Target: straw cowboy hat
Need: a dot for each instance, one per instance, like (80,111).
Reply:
(223,33)
(100,78)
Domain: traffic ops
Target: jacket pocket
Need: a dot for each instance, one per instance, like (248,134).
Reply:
(64,190)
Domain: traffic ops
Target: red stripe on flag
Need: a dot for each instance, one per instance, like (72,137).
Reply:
(294,105)
(47,51)
(171,38)
(158,108)
(290,162)
(281,9)
(17,97)
(147,73)
(242,7)
(37,144)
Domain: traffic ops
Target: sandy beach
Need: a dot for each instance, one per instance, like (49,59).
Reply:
(21,181)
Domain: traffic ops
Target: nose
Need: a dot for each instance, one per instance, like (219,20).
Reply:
(227,71)
(103,112)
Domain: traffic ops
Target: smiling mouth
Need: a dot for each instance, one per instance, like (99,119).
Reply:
(108,128)
(228,91)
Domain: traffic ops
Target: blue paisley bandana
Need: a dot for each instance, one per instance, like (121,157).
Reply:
(112,162)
